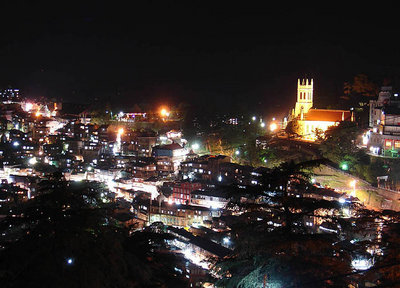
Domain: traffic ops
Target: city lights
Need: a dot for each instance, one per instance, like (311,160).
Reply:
(344,166)
(28,107)
(195,146)
(361,264)
(147,158)
(32,161)
(273,126)
(164,112)
(353,185)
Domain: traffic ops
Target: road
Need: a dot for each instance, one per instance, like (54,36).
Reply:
(372,197)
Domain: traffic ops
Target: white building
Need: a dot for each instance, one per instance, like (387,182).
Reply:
(209,198)
(384,122)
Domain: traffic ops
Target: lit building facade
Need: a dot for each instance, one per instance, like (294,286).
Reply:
(383,138)
(312,122)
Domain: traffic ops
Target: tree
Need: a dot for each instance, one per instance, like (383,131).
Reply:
(339,142)
(68,238)
(359,90)
(363,86)
(292,128)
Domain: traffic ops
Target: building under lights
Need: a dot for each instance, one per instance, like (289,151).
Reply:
(10,95)
(312,121)
(383,138)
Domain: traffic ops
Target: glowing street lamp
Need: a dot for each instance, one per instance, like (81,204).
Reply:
(117,146)
(164,112)
(28,107)
(32,161)
(353,185)
(195,146)
(273,126)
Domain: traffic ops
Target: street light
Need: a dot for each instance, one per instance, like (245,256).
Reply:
(273,126)
(164,112)
(344,166)
(353,185)
(32,161)
(195,146)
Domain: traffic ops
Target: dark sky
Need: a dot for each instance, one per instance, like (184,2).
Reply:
(193,51)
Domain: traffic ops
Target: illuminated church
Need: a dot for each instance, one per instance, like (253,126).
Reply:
(310,120)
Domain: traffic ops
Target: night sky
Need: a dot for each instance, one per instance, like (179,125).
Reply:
(198,52)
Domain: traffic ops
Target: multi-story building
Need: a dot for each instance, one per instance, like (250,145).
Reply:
(235,173)
(207,167)
(383,138)
(209,198)
(182,215)
(181,191)
(143,170)
(169,157)
(10,95)
(144,141)
(196,168)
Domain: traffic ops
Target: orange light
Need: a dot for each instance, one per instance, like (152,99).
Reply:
(121,131)
(164,112)
(273,127)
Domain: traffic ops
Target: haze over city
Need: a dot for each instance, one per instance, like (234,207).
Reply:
(193,52)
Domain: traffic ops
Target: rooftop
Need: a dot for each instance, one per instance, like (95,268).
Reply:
(328,115)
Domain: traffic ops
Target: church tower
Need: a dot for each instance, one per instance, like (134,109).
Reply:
(304,102)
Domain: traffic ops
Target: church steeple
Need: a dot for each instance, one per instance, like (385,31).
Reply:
(305,91)
(305,88)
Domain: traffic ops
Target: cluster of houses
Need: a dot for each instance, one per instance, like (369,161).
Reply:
(154,176)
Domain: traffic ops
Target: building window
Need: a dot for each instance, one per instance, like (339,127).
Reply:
(397,144)
(388,143)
